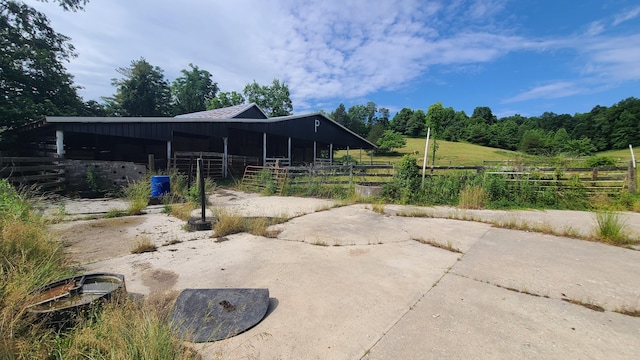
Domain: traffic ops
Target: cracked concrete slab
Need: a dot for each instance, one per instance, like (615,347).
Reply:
(377,298)
(554,266)
(461,318)
(347,225)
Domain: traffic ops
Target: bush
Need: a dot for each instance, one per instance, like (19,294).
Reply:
(405,184)
(600,161)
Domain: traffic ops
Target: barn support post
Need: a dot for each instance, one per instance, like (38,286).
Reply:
(289,150)
(168,154)
(225,158)
(59,143)
(264,149)
(151,163)
(331,154)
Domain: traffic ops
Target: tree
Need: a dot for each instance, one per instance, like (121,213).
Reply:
(274,100)
(415,125)
(581,147)
(225,99)
(390,140)
(358,115)
(192,90)
(142,92)
(340,115)
(484,114)
(33,79)
(400,120)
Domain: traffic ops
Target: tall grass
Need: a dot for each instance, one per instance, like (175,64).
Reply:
(611,228)
(473,197)
(29,258)
(127,330)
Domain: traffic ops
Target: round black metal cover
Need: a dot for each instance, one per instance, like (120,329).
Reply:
(205,315)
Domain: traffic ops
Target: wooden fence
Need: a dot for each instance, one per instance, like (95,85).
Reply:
(340,174)
(610,180)
(41,173)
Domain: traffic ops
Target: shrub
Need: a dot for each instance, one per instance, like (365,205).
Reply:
(600,161)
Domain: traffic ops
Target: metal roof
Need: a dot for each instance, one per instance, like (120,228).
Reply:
(223,113)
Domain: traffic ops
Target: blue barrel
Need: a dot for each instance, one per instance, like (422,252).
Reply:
(160,185)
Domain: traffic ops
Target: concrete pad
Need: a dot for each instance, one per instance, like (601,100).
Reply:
(348,225)
(580,222)
(465,319)
(327,302)
(557,267)
(459,235)
(252,204)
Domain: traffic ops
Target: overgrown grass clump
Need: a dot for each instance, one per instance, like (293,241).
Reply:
(127,330)
(29,258)
(228,224)
(611,228)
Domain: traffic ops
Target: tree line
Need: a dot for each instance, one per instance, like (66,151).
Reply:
(603,128)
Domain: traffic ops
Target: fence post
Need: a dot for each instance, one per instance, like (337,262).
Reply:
(152,163)
(350,175)
(631,174)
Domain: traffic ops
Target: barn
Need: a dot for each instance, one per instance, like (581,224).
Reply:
(240,134)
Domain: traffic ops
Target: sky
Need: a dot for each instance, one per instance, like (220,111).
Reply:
(516,57)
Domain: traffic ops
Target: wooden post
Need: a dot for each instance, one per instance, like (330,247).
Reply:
(152,163)
(632,177)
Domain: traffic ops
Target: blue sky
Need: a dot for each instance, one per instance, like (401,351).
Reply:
(523,57)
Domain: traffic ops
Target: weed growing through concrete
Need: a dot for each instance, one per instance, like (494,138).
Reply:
(611,228)
(417,214)
(233,224)
(588,305)
(378,208)
(319,243)
(628,311)
(143,245)
(434,243)
(114,213)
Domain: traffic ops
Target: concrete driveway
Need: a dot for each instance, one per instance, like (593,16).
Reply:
(349,283)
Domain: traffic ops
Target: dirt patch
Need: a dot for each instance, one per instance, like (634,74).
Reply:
(159,280)
(97,240)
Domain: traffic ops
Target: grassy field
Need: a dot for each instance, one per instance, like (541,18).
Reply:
(620,155)
(449,153)
(458,153)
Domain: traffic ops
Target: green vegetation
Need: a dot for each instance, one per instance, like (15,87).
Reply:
(611,228)
(30,259)
(229,224)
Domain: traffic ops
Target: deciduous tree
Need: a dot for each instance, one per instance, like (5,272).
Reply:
(33,79)
(225,99)
(274,100)
(192,90)
(143,91)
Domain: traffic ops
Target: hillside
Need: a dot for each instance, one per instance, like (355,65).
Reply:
(449,153)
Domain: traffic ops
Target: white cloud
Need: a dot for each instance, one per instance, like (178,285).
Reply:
(550,91)
(324,49)
(626,16)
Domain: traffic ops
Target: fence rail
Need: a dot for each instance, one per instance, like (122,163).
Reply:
(43,173)
(609,180)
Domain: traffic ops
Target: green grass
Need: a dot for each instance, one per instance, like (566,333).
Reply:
(229,223)
(449,153)
(611,228)
(620,155)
